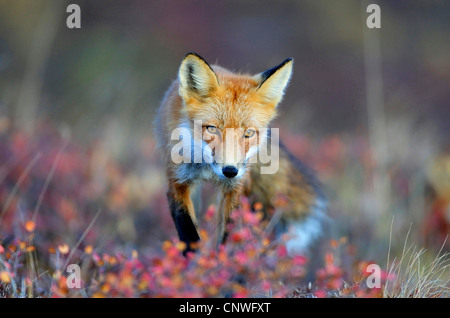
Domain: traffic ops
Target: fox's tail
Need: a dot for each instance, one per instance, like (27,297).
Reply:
(303,233)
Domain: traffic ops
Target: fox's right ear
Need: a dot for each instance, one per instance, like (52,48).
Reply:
(273,82)
(197,79)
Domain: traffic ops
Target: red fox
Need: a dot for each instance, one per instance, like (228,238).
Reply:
(213,125)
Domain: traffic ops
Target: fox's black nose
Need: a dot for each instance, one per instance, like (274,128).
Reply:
(229,171)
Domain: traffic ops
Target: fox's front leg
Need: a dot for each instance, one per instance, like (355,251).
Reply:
(228,201)
(183,214)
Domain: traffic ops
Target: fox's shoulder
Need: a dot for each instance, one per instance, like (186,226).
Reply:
(168,115)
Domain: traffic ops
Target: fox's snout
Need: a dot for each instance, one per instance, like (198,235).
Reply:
(230,171)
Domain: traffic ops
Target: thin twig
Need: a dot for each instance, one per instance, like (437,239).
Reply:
(18,183)
(77,244)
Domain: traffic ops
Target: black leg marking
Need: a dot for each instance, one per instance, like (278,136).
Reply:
(187,232)
(186,229)
(225,236)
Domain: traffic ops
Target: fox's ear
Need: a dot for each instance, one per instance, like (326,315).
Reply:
(273,82)
(197,79)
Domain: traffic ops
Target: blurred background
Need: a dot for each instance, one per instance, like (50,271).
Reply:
(367,109)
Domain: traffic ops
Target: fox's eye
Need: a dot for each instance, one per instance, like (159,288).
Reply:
(249,133)
(212,129)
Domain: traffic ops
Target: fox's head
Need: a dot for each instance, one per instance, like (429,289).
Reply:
(233,110)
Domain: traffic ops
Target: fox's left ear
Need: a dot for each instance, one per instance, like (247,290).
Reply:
(273,82)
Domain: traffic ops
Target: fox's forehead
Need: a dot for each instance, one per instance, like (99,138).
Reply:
(234,85)
(234,104)
(234,112)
